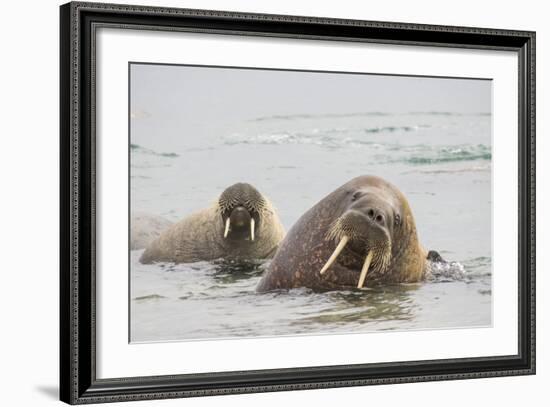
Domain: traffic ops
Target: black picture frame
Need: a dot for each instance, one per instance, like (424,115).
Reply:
(78,382)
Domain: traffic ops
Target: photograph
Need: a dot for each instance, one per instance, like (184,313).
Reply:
(255,201)
(268,202)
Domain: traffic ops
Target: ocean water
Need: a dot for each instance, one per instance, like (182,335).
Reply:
(440,160)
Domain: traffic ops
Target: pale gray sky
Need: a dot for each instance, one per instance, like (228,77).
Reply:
(171,91)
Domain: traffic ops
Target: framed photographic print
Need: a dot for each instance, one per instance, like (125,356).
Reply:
(256,203)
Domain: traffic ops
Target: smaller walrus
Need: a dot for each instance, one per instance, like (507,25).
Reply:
(241,225)
(362,234)
(146,228)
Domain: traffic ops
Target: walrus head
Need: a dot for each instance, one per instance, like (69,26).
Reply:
(241,207)
(365,231)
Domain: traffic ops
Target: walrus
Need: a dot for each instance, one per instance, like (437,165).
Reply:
(241,225)
(362,234)
(146,228)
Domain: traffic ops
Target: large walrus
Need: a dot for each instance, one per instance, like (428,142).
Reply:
(360,235)
(242,225)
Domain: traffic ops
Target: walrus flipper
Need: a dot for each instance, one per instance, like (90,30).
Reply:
(435,257)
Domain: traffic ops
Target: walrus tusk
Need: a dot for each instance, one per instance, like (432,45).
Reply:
(226,228)
(252,229)
(335,254)
(364,270)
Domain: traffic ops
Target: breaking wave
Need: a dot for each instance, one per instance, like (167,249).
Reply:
(331,137)
(446,272)
(437,155)
(468,270)
(386,152)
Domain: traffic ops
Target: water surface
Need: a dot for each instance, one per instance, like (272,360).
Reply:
(440,160)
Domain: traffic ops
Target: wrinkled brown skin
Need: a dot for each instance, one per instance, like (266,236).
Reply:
(306,249)
(199,237)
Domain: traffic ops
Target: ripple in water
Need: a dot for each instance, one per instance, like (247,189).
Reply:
(361,114)
(135,148)
(218,300)
(387,152)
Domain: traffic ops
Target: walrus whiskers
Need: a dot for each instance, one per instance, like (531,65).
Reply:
(335,254)
(252,229)
(364,270)
(227,222)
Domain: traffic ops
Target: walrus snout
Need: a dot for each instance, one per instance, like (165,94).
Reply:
(374,208)
(363,231)
(242,207)
(240,224)
(240,217)
(360,226)
(376,215)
